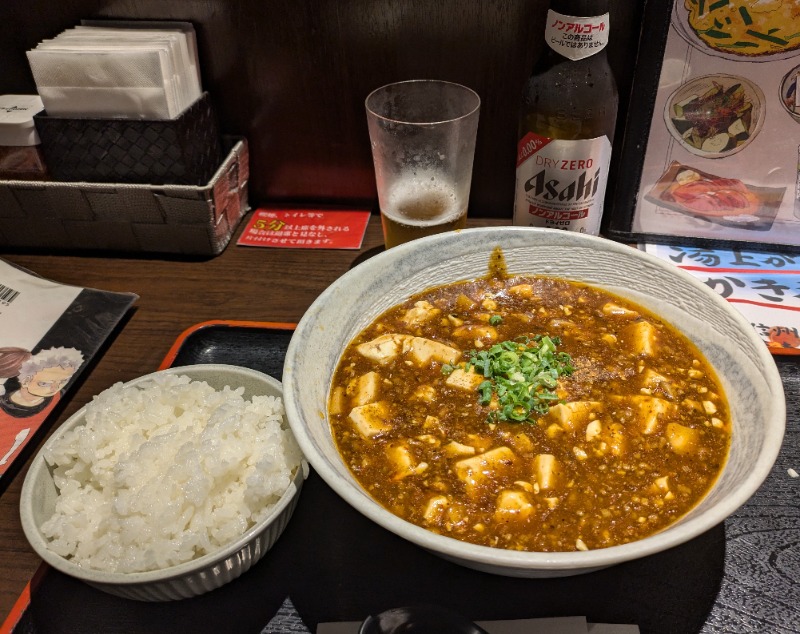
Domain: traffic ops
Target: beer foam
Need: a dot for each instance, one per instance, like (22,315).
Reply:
(422,201)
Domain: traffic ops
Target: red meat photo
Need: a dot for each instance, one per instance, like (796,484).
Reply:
(716,198)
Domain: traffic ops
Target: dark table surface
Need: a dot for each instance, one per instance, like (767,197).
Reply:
(334,564)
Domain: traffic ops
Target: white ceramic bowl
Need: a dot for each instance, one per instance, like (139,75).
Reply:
(184,580)
(741,359)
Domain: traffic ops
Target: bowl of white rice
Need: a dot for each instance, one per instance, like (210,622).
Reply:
(167,486)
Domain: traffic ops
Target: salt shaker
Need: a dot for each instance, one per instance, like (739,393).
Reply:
(21,156)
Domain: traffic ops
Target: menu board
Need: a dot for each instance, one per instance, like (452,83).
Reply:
(722,157)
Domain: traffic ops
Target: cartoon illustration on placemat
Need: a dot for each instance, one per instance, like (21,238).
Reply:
(33,387)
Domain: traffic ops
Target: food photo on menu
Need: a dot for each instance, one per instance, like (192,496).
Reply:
(722,157)
(726,201)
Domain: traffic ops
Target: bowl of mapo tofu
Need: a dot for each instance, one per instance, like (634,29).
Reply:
(532,402)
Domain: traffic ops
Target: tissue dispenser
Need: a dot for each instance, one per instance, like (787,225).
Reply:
(185,150)
(129,218)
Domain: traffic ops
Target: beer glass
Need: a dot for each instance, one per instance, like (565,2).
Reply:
(422,134)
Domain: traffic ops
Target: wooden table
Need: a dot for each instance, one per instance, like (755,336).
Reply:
(278,285)
(240,284)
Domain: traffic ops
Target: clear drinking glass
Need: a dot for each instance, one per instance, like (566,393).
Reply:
(422,134)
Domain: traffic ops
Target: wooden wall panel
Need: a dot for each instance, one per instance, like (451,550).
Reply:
(292,75)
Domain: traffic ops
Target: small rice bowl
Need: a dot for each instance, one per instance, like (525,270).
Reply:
(164,472)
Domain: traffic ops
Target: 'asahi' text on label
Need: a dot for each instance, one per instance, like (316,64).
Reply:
(561,184)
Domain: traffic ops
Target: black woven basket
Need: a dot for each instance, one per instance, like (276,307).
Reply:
(181,151)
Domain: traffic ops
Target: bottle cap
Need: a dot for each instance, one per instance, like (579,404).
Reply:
(580,8)
(16,119)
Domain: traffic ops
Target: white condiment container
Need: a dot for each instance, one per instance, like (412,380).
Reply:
(20,153)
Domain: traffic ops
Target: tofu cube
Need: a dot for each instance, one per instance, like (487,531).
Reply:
(615,439)
(364,389)
(465,380)
(423,351)
(652,380)
(403,461)
(435,508)
(661,485)
(455,449)
(464,303)
(425,393)
(619,311)
(522,442)
(548,472)
(383,349)
(683,440)
(574,415)
(431,422)
(481,470)
(420,313)
(650,410)
(512,505)
(476,332)
(371,419)
(337,402)
(522,290)
(642,338)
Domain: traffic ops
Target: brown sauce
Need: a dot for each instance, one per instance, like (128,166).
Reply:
(639,435)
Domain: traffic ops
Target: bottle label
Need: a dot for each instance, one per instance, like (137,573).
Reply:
(561,184)
(576,38)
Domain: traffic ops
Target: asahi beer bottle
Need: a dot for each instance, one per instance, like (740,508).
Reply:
(569,109)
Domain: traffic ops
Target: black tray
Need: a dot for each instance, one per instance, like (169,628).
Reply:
(336,565)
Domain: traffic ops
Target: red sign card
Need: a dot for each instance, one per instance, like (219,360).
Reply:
(305,229)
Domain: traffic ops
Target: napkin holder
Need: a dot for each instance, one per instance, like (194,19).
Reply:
(185,150)
(129,218)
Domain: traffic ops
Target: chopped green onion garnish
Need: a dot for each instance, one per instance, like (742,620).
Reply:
(522,375)
(495,319)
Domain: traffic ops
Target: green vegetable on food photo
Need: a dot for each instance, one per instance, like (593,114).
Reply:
(717,120)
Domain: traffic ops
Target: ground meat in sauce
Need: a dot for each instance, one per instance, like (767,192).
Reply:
(639,438)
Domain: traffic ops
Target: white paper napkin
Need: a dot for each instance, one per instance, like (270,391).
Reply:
(97,71)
